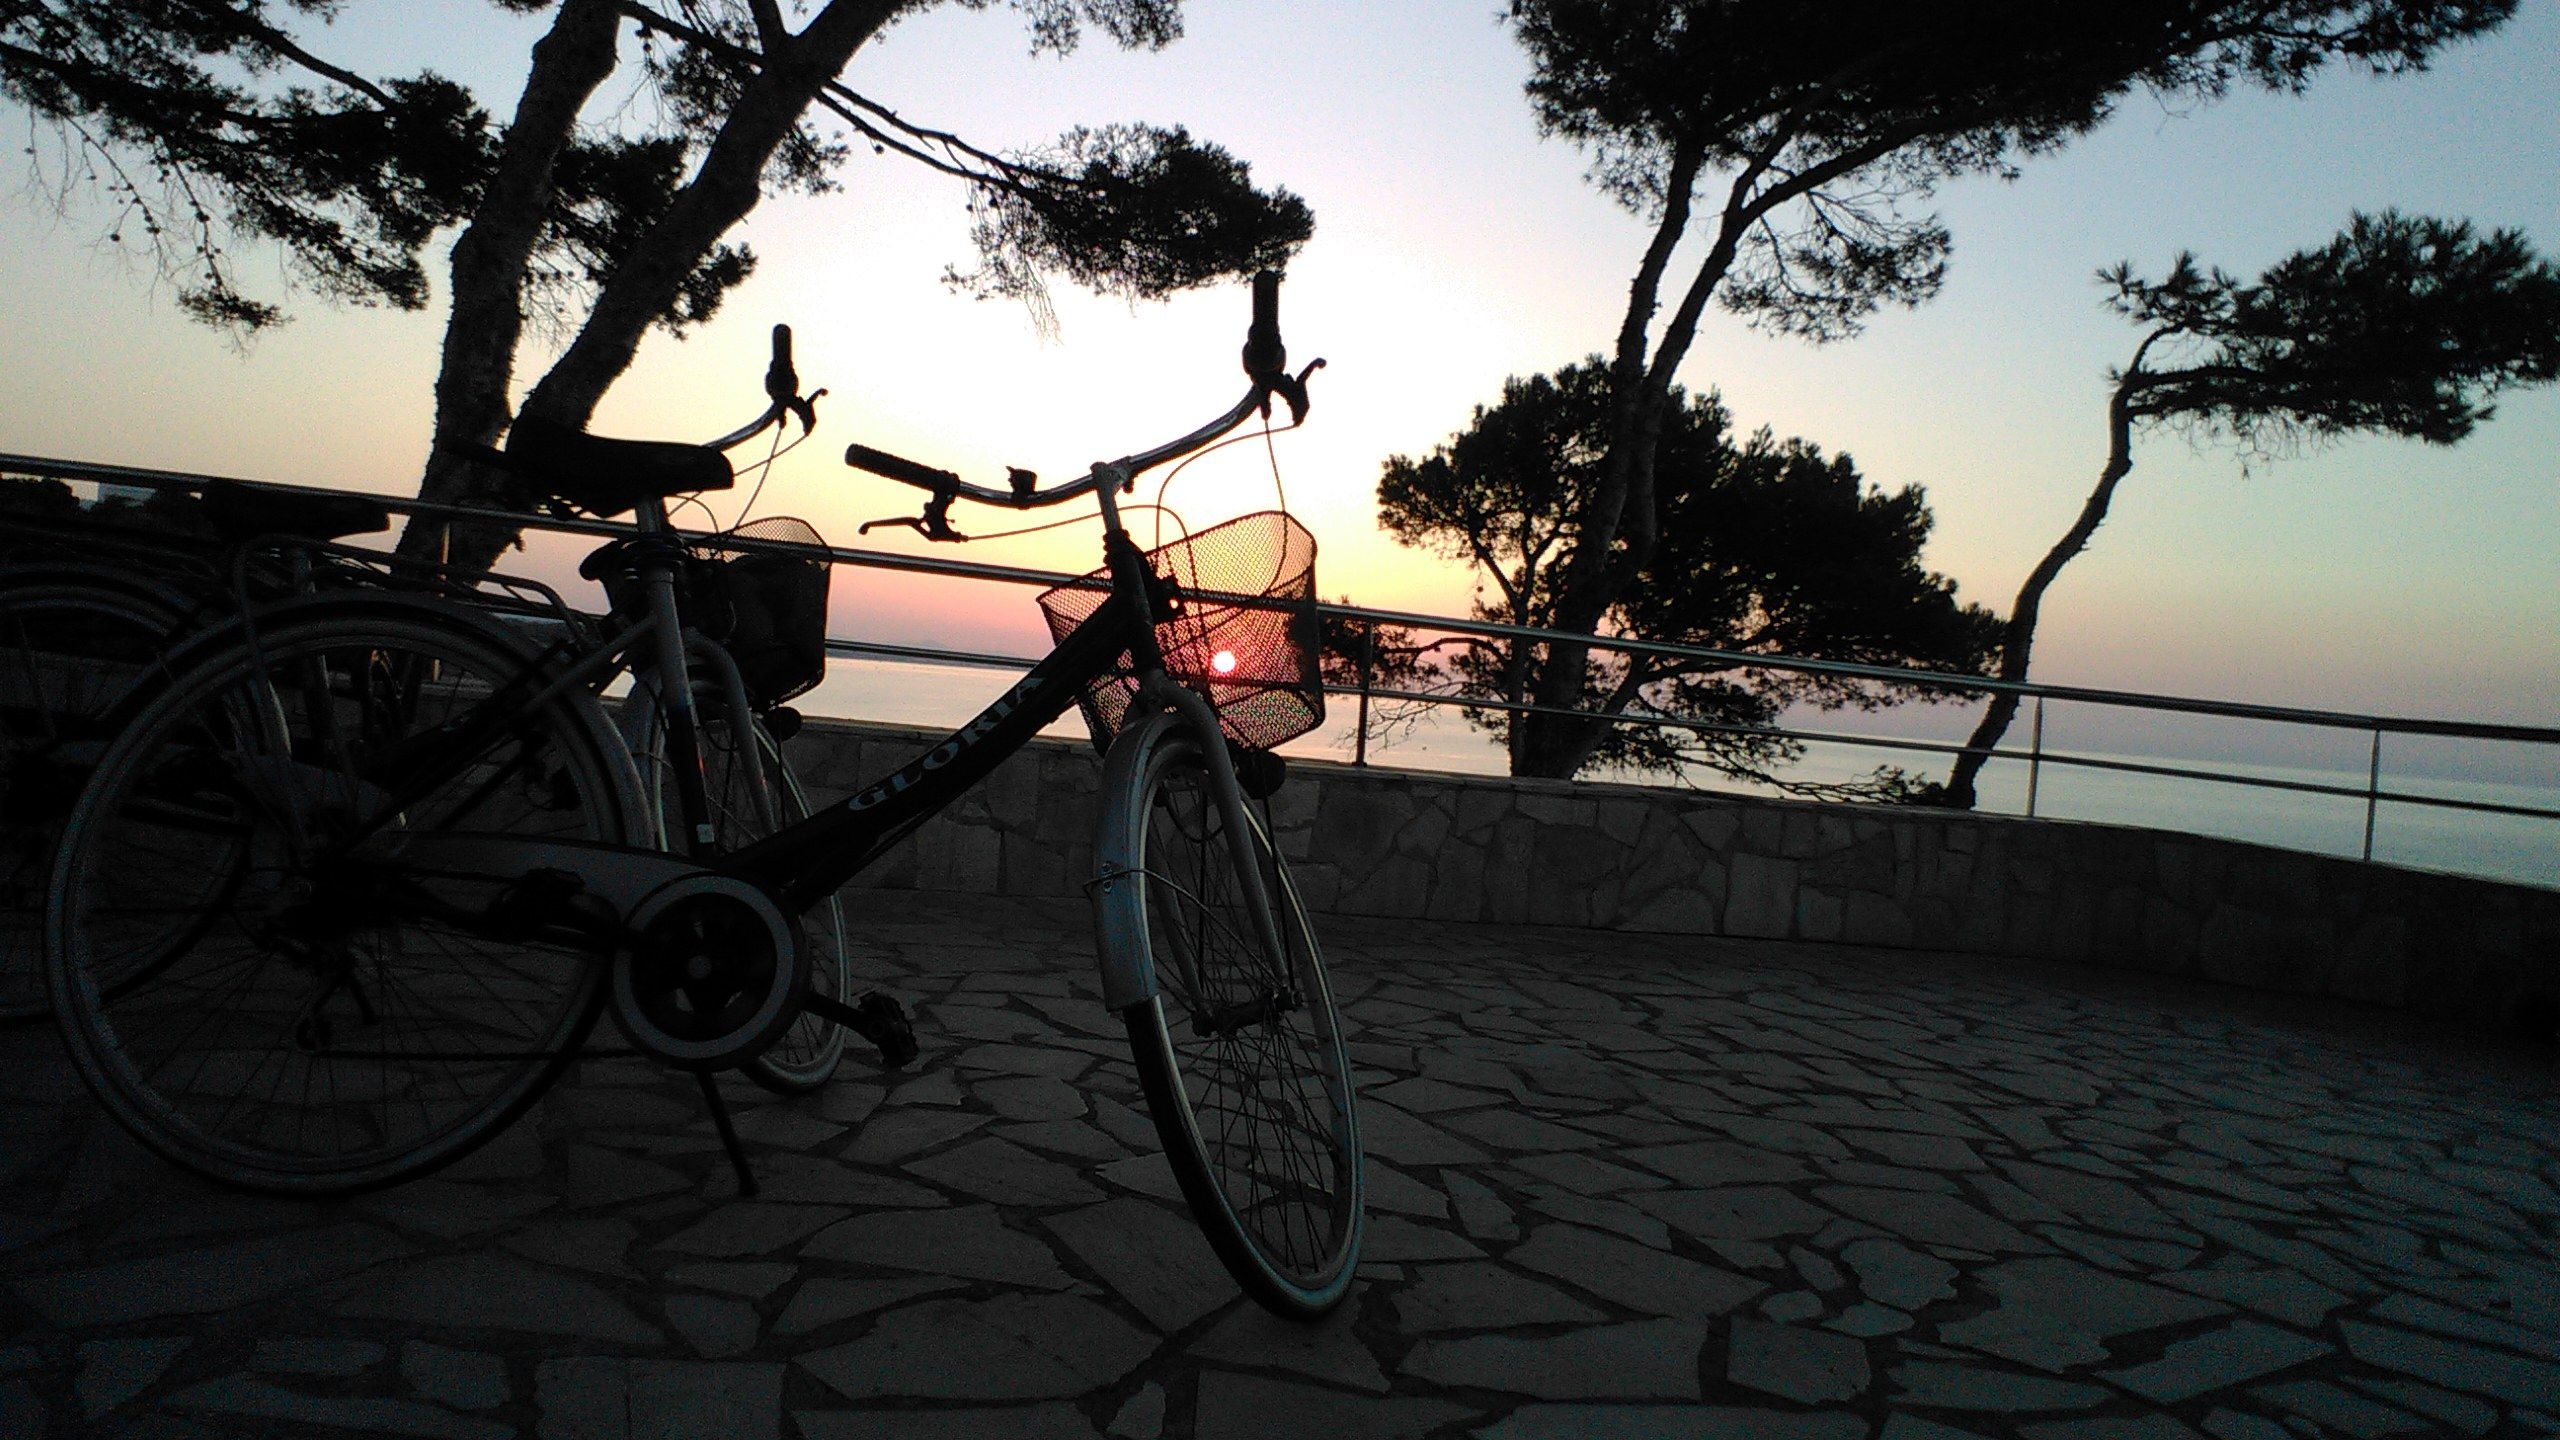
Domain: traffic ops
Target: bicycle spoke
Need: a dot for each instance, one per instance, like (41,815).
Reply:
(1247,1045)
(305,1013)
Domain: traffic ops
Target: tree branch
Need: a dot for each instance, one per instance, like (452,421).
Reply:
(274,40)
(1643,294)
(1743,209)
(960,160)
(98,85)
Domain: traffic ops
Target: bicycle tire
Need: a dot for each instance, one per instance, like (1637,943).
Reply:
(70,648)
(1240,1050)
(277,749)
(753,792)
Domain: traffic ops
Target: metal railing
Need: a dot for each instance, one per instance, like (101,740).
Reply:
(1366,693)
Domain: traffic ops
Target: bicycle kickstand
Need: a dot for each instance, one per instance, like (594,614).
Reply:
(719,1108)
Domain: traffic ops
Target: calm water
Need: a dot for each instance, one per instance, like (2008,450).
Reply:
(2519,848)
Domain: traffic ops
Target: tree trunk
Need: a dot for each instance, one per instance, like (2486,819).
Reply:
(488,272)
(2017,640)
(723,190)
(721,193)
(1516,658)
(1613,538)
(1621,526)
(1618,528)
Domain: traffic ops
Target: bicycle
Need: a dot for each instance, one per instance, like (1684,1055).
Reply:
(446,845)
(87,610)
(78,635)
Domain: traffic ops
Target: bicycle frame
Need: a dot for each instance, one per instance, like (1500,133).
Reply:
(802,864)
(369,786)
(798,866)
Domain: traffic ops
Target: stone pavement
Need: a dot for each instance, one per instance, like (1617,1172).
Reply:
(1622,1187)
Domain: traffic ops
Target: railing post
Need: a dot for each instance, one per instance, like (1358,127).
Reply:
(2035,756)
(1368,657)
(2372,790)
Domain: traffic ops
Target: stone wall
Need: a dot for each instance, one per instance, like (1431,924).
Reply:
(1455,847)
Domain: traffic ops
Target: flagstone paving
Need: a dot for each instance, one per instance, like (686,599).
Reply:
(1621,1187)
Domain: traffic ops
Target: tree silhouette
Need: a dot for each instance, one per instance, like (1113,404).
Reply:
(1767,546)
(2399,325)
(207,124)
(32,498)
(1780,150)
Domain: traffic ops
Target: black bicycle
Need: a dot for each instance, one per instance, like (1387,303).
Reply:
(87,609)
(91,610)
(440,867)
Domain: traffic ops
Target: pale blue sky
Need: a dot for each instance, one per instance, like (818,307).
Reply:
(1453,248)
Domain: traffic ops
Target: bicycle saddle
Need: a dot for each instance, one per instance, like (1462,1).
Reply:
(607,477)
(240,512)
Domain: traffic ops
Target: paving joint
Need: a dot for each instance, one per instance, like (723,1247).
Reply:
(1622,1185)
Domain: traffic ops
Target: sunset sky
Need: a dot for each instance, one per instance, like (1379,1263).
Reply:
(1454,247)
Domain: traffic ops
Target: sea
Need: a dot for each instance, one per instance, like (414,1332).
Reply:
(2520,848)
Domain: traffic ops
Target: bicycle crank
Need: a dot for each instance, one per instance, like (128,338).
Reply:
(713,974)
(876,1018)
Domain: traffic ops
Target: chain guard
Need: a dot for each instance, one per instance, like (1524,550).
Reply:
(713,975)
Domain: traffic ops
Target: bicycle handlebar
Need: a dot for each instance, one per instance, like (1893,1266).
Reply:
(1264,355)
(782,389)
(1265,362)
(781,382)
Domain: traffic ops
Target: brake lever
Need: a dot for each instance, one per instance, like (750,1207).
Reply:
(806,407)
(934,524)
(1291,388)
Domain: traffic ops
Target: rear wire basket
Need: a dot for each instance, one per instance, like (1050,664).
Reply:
(768,610)
(1257,665)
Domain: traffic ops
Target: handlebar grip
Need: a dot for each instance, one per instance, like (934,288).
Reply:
(1264,354)
(781,381)
(898,467)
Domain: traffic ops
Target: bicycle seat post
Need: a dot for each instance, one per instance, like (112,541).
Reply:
(665,673)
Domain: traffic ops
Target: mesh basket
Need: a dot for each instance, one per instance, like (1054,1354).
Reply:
(772,608)
(1256,665)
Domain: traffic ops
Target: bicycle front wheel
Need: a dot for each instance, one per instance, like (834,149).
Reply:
(68,651)
(1240,1051)
(259,966)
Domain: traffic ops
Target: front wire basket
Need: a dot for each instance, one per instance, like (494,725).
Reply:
(1258,664)
(768,609)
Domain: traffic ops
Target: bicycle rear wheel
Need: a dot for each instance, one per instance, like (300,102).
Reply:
(68,650)
(250,974)
(1240,1051)
(752,791)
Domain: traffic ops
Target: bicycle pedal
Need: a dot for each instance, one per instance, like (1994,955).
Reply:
(876,1018)
(883,1021)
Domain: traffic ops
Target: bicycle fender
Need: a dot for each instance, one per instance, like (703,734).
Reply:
(236,629)
(1119,911)
(139,589)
